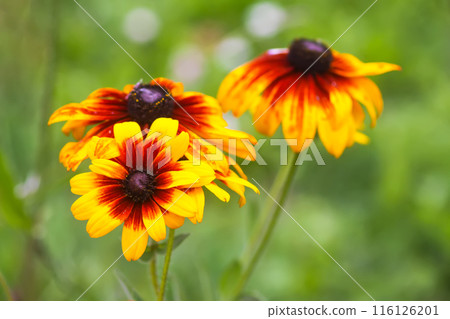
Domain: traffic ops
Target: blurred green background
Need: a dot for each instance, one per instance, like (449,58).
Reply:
(381,210)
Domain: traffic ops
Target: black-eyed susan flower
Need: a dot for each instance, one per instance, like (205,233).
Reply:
(307,88)
(142,182)
(199,115)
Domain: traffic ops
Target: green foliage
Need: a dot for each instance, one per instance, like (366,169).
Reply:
(11,208)
(127,288)
(161,247)
(229,279)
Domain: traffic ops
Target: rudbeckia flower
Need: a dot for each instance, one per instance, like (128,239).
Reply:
(199,115)
(307,88)
(142,182)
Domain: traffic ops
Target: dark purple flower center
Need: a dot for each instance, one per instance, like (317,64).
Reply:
(309,55)
(139,186)
(148,102)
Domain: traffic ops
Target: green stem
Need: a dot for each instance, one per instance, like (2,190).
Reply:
(272,210)
(166,264)
(153,274)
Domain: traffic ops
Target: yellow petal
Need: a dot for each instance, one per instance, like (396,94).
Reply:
(126,131)
(105,147)
(87,205)
(178,146)
(175,179)
(165,126)
(203,171)
(199,196)
(173,221)
(108,168)
(333,138)
(134,242)
(101,223)
(154,221)
(177,202)
(84,183)
(218,192)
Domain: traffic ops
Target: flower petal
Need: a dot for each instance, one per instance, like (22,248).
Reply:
(178,146)
(105,148)
(348,65)
(84,183)
(154,221)
(199,196)
(134,242)
(165,126)
(173,221)
(218,192)
(108,168)
(126,131)
(176,201)
(176,179)
(102,223)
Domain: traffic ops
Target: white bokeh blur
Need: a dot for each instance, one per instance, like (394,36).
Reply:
(188,64)
(265,19)
(141,25)
(232,52)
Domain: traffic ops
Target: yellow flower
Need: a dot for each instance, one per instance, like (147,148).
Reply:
(307,88)
(142,182)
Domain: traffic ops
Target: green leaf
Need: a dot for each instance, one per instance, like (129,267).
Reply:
(149,253)
(129,291)
(160,248)
(11,208)
(229,279)
(176,242)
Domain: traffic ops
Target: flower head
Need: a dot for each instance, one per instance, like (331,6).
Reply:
(307,88)
(199,115)
(142,182)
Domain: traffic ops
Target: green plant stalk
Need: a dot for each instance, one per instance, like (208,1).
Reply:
(279,191)
(154,275)
(166,264)
(268,206)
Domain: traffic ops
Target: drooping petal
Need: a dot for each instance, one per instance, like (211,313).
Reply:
(218,192)
(154,221)
(367,93)
(103,148)
(173,221)
(73,153)
(333,138)
(199,196)
(76,127)
(348,65)
(134,241)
